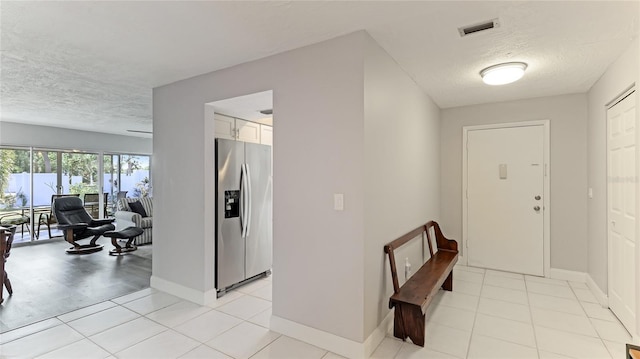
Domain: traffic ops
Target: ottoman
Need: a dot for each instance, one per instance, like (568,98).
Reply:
(128,233)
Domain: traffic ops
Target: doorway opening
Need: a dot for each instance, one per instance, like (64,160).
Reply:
(241,192)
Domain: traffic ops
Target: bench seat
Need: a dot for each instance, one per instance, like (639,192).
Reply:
(410,301)
(420,289)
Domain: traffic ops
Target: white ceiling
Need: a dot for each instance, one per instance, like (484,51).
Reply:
(92,65)
(247,107)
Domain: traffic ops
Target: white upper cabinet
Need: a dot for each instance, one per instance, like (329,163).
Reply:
(236,129)
(225,127)
(266,135)
(247,131)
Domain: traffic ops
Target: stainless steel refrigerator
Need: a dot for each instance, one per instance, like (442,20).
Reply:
(243,212)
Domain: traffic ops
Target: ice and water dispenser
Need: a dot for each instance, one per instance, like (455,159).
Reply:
(231,204)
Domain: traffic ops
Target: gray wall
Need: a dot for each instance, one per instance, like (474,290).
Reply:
(402,156)
(347,120)
(17,134)
(318,151)
(618,77)
(568,156)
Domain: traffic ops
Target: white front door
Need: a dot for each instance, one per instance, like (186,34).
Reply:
(505,204)
(621,168)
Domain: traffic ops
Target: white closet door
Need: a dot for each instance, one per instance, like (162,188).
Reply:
(621,203)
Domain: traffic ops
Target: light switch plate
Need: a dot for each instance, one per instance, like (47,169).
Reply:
(502,171)
(590,192)
(338,201)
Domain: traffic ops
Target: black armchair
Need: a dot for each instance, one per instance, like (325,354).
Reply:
(76,223)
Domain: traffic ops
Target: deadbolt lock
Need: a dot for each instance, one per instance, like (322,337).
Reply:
(536,208)
(537,198)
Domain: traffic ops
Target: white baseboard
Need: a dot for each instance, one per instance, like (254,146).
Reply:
(328,341)
(462,260)
(602,298)
(568,275)
(378,334)
(190,294)
(581,277)
(331,342)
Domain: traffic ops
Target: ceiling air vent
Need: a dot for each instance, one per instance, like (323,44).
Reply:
(472,29)
(267,112)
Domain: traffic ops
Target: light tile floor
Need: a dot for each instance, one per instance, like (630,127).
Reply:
(489,314)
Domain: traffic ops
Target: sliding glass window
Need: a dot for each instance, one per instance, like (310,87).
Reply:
(126,175)
(15,191)
(31,177)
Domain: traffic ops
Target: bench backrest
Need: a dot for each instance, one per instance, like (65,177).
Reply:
(441,243)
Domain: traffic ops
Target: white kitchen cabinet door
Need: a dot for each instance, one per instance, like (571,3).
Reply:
(224,127)
(266,135)
(248,131)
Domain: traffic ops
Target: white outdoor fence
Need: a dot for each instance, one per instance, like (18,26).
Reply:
(44,185)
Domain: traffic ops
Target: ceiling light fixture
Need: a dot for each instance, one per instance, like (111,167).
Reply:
(503,74)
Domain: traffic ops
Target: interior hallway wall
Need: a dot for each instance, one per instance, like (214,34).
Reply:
(346,120)
(568,156)
(402,156)
(318,151)
(618,77)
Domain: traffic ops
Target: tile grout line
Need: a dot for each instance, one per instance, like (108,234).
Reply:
(36,332)
(535,346)
(128,321)
(533,325)
(57,322)
(62,322)
(591,322)
(84,316)
(219,334)
(102,331)
(475,317)
(271,342)
(71,343)
(565,331)
(57,317)
(109,351)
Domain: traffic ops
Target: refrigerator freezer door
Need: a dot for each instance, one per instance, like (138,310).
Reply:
(230,246)
(259,240)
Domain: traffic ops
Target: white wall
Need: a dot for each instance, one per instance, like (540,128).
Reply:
(618,77)
(568,151)
(318,151)
(17,134)
(401,178)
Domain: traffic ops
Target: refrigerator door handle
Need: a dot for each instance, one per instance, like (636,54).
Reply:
(249,209)
(243,200)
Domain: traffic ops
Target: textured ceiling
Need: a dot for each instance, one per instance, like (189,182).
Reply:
(92,65)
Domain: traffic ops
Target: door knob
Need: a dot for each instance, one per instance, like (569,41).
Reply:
(536,208)
(537,198)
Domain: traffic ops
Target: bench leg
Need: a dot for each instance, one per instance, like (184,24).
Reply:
(448,283)
(409,322)
(7,283)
